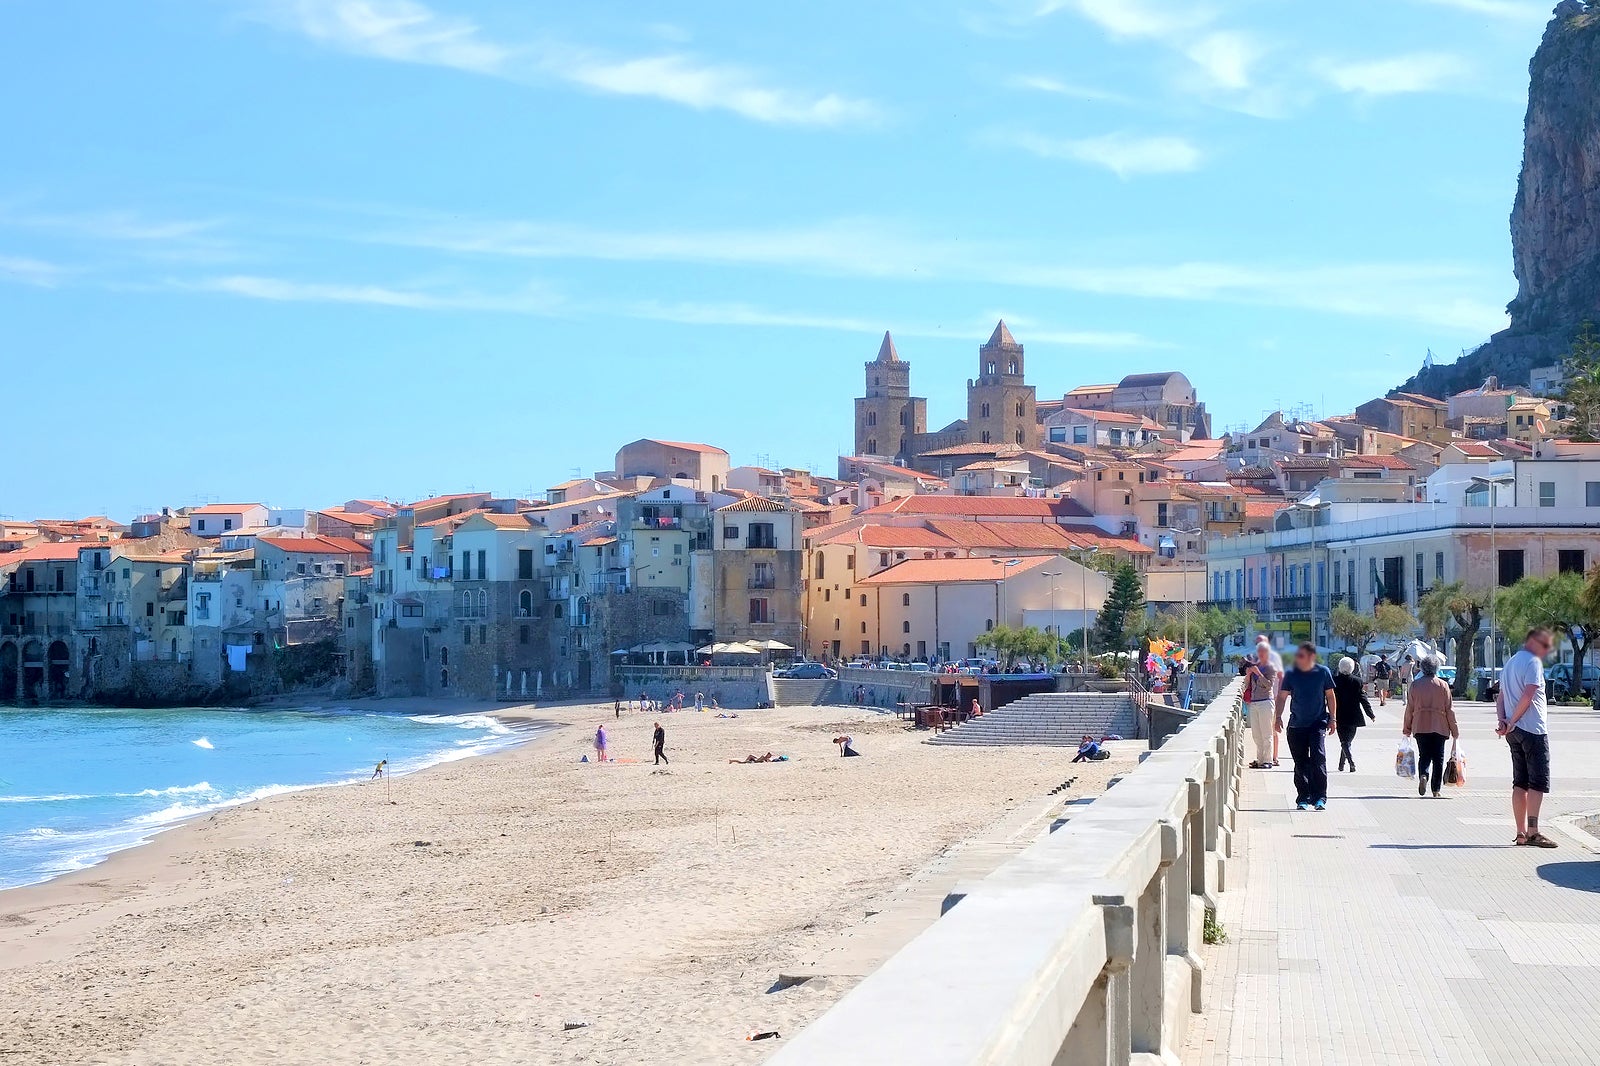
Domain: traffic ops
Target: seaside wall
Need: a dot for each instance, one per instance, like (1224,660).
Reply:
(1082,949)
(731,686)
(884,688)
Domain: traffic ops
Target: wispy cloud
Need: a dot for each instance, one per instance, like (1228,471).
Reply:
(408,31)
(533,300)
(106,225)
(1418,72)
(1124,154)
(1434,293)
(1131,19)
(1044,84)
(22,270)
(1227,58)
(1536,12)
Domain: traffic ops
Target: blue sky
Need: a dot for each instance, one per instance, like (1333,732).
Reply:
(305,250)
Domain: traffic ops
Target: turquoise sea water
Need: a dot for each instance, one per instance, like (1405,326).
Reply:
(78,784)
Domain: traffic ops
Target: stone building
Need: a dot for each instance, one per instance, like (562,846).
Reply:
(888,417)
(758,558)
(1000,402)
(1166,398)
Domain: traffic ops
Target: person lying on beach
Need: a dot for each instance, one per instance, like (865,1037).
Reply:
(846,751)
(377,771)
(727,716)
(768,757)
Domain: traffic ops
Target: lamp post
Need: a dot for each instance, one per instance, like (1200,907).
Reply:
(1054,613)
(1083,600)
(1185,533)
(1493,484)
(1319,505)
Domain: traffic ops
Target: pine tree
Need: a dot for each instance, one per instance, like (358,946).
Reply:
(1123,603)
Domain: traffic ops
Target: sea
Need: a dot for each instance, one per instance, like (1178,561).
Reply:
(79,784)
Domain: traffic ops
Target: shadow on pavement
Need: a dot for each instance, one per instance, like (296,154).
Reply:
(1582,876)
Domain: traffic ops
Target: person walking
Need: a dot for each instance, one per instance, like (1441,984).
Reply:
(1380,674)
(600,744)
(1430,720)
(1313,716)
(660,739)
(1520,714)
(1262,675)
(1352,696)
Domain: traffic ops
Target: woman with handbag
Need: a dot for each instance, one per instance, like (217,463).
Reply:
(1431,720)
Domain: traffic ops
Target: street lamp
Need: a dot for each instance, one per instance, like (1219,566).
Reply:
(1319,505)
(1083,600)
(1054,612)
(1493,484)
(1185,533)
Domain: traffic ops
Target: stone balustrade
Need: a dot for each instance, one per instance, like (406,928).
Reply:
(1080,951)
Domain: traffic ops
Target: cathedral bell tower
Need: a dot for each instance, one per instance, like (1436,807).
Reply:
(1001,405)
(888,415)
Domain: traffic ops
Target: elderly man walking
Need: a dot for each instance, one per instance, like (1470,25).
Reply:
(1521,720)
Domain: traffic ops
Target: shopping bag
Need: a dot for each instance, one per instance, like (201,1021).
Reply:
(1405,760)
(1455,770)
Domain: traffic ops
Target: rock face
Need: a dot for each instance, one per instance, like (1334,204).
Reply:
(1555,223)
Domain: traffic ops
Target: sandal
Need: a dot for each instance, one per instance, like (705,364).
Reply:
(1522,838)
(1539,840)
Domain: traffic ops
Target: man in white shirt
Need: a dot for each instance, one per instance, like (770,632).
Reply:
(1521,714)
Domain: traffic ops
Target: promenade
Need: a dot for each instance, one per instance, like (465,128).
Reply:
(1392,930)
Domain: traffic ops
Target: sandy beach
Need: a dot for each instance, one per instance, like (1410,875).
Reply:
(496,899)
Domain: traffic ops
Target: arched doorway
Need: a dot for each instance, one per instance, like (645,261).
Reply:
(10,673)
(60,666)
(32,670)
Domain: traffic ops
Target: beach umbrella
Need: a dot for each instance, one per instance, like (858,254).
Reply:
(771,645)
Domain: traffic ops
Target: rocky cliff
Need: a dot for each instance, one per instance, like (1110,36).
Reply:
(1555,222)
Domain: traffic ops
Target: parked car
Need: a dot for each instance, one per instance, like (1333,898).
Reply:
(806,672)
(1558,681)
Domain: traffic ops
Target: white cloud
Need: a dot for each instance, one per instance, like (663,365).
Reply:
(1445,294)
(26,271)
(410,32)
(1537,12)
(1226,58)
(1055,86)
(530,301)
(1125,155)
(681,80)
(107,225)
(1134,18)
(1418,72)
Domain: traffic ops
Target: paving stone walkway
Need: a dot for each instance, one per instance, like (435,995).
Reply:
(1392,930)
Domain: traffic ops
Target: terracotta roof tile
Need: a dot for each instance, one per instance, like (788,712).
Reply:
(956,571)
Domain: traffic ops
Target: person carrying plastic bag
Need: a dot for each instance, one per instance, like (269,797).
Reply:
(1405,760)
(1431,720)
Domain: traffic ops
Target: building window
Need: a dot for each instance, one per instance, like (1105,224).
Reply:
(1438,566)
(863,599)
(827,595)
(985,436)
(1019,410)
(730,532)
(1547,494)
(1591,493)
(872,418)
(905,599)
(983,411)
(466,634)
(483,634)
(821,566)
(1511,566)
(763,576)
(761,536)
(1570,561)
(1421,578)
(872,446)
(525,564)
(759,607)
(905,627)
(408,562)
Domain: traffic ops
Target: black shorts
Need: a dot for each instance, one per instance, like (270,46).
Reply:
(1530,760)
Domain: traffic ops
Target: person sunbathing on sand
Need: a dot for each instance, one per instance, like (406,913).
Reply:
(768,757)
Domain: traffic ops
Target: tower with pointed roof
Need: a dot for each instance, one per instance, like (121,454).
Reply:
(1001,405)
(888,416)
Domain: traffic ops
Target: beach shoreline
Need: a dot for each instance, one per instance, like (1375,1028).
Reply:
(501,896)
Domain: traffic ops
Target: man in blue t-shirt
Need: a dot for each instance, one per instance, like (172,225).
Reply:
(1313,716)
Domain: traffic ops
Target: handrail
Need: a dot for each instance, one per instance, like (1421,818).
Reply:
(1083,948)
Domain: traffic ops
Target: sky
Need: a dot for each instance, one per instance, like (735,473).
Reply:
(301,251)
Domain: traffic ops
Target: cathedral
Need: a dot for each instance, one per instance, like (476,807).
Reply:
(1001,405)
(1003,410)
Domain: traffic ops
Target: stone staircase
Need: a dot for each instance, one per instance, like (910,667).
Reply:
(1054,719)
(787,693)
